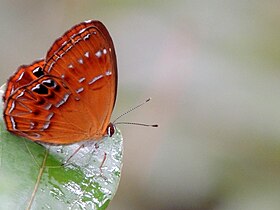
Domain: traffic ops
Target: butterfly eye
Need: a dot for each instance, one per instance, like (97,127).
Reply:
(38,71)
(40,89)
(110,129)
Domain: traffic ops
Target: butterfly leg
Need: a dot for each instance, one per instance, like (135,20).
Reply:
(103,161)
(74,153)
(96,146)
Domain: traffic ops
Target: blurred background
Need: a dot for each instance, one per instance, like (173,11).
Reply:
(212,69)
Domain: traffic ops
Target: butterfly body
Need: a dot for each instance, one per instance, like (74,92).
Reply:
(69,96)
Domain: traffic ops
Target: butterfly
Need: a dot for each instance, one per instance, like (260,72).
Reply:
(68,96)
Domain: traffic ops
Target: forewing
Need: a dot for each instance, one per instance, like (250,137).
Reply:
(65,37)
(86,62)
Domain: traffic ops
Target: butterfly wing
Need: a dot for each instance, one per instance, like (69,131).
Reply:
(75,99)
(23,76)
(65,37)
(31,109)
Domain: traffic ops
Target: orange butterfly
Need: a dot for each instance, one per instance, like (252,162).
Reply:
(69,96)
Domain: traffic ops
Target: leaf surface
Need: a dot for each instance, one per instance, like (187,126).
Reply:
(32,177)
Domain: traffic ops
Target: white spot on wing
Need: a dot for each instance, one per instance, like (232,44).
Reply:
(19,95)
(70,66)
(32,125)
(49,82)
(62,54)
(48,107)
(51,66)
(81,79)
(98,54)
(108,73)
(13,89)
(20,77)
(69,48)
(82,30)
(95,79)
(56,57)
(66,96)
(59,103)
(36,87)
(49,116)
(12,107)
(13,123)
(87,54)
(80,90)
(87,36)
(80,60)
(46,125)
(104,51)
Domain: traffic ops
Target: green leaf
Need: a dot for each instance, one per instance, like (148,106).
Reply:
(31,175)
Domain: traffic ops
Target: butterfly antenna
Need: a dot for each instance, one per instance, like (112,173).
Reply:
(134,123)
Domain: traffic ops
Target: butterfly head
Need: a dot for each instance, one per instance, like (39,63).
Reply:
(111,129)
